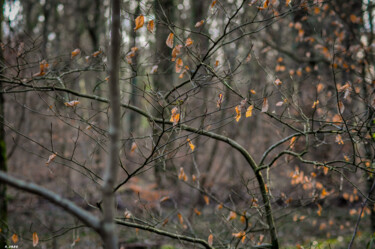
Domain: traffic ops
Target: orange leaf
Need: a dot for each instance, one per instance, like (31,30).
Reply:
(265,105)
(287,2)
(192,146)
(179,65)
(315,104)
(182,175)
(253,91)
(50,158)
(72,103)
(175,117)
(196,211)
(198,24)
(220,100)
(151,26)
(213,3)
(292,141)
(75,52)
(206,199)
(95,54)
(210,240)
(15,238)
(189,42)
(238,113)
(169,41)
(319,212)
(139,21)
(319,87)
(339,139)
(176,51)
(232,215)
(243,219)
(278,82)
(239,234)
(180,218)
(134,146)
(164,198)
(35,239)
(217,63)
(249,111)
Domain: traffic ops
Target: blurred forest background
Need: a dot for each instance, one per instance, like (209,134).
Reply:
(230,109)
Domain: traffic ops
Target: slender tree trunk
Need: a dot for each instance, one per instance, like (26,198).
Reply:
(3,157)
(108,232)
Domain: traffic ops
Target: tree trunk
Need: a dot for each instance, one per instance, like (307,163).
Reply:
(108,231)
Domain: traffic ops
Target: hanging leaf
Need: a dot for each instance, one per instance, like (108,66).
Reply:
(287,2)
(278,82)
(182,175)
(179,65)
(180,218)
(176,51)
(189,42)
(249,111)
(199,24)
(35,239)
(206,199)
(232,215)
(197,212)
(139,21)
(265,105)
(210,240)
(315,104)
(239,234)
(175,117)
(151,26)
(133,148)
(169,41)
(75,52)
(220,100)
(50,158)
(15,238)
(192,146)
(72,103)
(154,69)
(213,3)
(238,113)
(95,54)
(292,142)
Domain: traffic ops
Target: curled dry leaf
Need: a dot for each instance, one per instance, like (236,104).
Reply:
(341,107)
(238,113)
(315,104)
(151,26)
(265,105)
(182,175)
(127,214)
(154,69)
(175,117)
(249,111)
(15,238)
(179,65)
(176,51)
(169,40)
(232,215)
(192,146)
(278,82)
(220,100)
(189,42)
(72,103)
(35,239)
(133,148)
(210,240)
(50,158)
(197,212)
(199,24)
(139,21)
(180,218)
(75,52)
(206,199)
(95,54)
(213,3)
